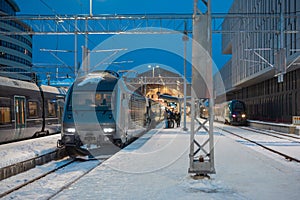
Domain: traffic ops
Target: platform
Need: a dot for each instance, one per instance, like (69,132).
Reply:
(285,128)
(156,167)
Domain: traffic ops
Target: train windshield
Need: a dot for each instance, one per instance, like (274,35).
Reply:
(86,100)
(238,106)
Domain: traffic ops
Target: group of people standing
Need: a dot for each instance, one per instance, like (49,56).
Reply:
(170,117)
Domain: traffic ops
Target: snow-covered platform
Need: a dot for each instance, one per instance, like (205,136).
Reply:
(156,167)
(13,153)
(285,128)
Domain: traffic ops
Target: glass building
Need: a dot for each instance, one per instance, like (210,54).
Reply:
(15,50)
(263,37)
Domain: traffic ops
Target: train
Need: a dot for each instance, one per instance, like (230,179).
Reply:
(28,110)
(231,112)
(101,108)
(204,110)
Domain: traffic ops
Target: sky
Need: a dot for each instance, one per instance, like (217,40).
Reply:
(74,7)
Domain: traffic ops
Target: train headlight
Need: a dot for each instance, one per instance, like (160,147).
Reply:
(243,115)
(108,130)
(71,130)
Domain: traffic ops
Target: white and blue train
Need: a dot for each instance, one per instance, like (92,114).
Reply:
(101,108)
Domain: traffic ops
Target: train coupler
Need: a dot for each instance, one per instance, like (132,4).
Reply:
(60,144)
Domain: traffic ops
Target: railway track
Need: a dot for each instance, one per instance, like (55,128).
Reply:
(27,182)
(22,166)
(279,135)
(261,144)
(48,180)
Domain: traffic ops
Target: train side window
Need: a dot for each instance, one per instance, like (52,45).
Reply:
(5,110)
(51,109)
(33,109)
(5,115)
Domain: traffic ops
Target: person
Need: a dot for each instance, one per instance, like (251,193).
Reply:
(171,117)
(166,118)
(177,118)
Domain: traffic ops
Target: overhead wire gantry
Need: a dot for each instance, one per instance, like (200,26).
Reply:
(200,25)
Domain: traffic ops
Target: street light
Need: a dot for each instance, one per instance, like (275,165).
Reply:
(153,67)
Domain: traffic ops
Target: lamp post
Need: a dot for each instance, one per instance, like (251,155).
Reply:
(153,67)
(185,38)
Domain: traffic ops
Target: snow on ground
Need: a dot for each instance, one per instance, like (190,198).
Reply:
(20,151)
(156,167)
(286,146)
(49,185)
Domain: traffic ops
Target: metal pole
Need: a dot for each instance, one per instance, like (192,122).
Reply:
(153,72)
(91,7)
(75,49)
(185,39)
(86,47)
(201,150)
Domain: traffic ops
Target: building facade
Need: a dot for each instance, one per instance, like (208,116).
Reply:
(158,82)
(263,37)
(15,50)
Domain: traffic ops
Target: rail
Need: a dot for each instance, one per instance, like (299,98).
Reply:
(290,158)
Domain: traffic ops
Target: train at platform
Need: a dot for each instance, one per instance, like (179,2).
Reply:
(101,108)
(28,110)
(230,112)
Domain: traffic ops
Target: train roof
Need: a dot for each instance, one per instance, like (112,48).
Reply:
(104,81)
(235,100)
(53,90)
(8,82)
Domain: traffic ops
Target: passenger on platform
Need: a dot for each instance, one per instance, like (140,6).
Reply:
(166,118)
(171,118)
(177,118)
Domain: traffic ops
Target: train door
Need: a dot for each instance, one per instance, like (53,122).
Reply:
(20,112)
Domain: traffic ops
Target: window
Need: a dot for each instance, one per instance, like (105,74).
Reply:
(5,110)
(33,109)
(51,109)
(103,99)
(7,8)
(5,115)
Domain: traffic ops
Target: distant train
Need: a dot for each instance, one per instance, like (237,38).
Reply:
(231,112)
(28,110)
(100,108)
(204,110)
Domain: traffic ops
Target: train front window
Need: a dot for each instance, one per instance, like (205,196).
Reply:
(103,100)
(91,101)
(238,106)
